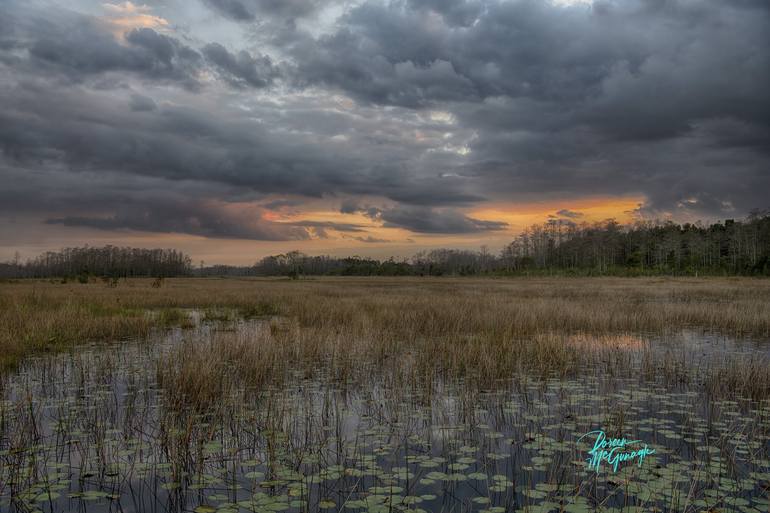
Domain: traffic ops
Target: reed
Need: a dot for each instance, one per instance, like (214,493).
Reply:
(335,392)
(40,316)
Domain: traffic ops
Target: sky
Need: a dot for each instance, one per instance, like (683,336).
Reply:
(234,129)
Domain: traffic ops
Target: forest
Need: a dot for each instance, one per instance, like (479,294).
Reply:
(558,246)
(735,247)
(106,262)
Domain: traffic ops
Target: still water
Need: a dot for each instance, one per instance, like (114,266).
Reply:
(89,431)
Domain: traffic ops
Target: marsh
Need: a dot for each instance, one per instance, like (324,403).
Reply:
(384,394)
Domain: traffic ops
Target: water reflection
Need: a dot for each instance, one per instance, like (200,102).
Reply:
(89,431)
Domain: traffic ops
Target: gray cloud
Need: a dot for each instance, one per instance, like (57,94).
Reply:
(454,12)
(434,106)
(570,214)
(234,9)
(250,10)
(78,47)
(626,104)
(430,220)
(140,103)
(212,221)
(371,240)
(281,203)
(113,202)
(241,69)
(421,219)
(321,226)
(627,69)
(349,206)
(182,143)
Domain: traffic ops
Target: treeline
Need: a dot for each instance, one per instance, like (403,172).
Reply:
(734,247)
(563,247)
(433,263)
(559,246)
(107,261)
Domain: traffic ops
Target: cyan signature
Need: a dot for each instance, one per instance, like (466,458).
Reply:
(614,451)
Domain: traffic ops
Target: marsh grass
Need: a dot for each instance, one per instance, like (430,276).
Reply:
(473,327)
(392,395)
(35,322)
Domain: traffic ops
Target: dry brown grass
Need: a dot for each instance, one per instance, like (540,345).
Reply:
(417,329)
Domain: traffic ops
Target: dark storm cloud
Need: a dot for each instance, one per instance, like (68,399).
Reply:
(234,9)
(113,201)
(329,225)
(241,69)
(250,10)
(654,62)
(454,12)
(349,206)
(78,47)
(435,106)
(559,98)
(383,56)
(181,144)
(430,220)
(421,219)
(204,220)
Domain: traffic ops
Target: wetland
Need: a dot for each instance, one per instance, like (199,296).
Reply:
(384,395)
